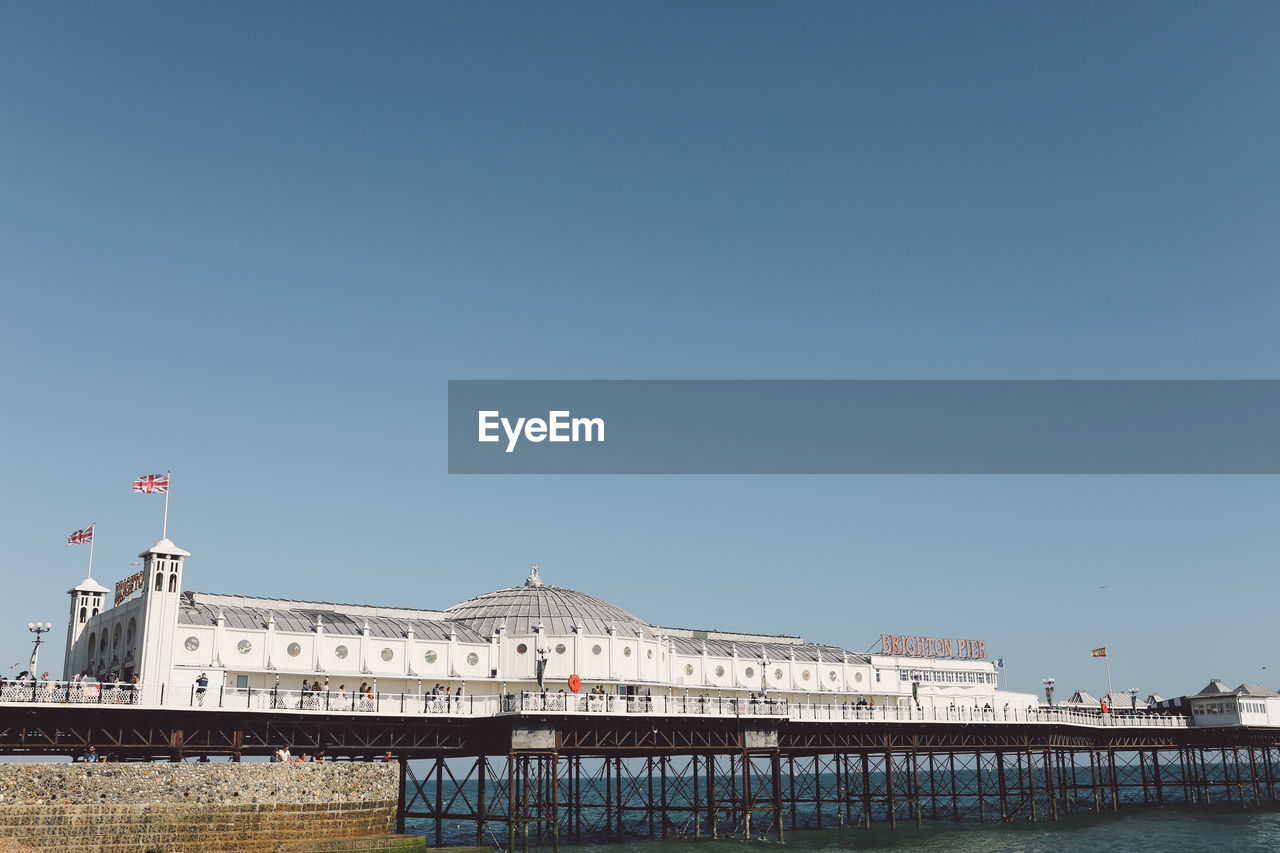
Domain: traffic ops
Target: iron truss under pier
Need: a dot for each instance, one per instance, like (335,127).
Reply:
(526,781)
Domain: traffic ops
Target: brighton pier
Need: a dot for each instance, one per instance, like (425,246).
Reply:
(535,714)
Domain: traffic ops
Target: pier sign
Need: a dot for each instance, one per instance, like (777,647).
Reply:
(932,647)
(127,587)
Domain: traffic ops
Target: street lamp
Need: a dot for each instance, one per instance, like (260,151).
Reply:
(1133,698)
(1048,682)
(37,628)
(541,653)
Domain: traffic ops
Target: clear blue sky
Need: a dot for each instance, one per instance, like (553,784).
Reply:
(252,243)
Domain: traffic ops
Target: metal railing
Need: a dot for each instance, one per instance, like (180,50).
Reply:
(531,701)
(984,714)
(71,692)
(343,701)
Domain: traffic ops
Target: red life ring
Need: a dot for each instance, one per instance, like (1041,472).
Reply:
(575,683)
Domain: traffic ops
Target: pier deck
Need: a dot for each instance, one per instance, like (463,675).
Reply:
(527,770)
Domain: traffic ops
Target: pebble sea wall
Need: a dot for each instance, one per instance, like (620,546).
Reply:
(193,808)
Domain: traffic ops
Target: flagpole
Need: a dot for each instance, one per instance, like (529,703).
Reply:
(164,531)
(1108,659)
(91,532)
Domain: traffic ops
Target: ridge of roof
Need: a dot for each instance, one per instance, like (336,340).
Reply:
(1258,690)
(215,599)
(1215,687)
(732,636)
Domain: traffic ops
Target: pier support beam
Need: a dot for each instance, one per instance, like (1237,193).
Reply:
(630,788)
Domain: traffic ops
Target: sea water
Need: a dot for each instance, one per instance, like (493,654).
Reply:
(1170,828)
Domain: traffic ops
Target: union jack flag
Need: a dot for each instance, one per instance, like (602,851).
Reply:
(81,536)
(152,483)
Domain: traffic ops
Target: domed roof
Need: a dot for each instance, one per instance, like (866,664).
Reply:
(556,608)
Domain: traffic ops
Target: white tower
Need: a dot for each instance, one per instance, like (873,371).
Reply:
(161,590)
(87,600)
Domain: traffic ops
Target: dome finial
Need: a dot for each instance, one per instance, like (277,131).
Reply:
(534,578)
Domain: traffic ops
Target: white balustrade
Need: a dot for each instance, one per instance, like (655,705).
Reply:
(559,702)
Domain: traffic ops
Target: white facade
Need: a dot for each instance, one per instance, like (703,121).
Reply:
(488,645)
(88,598)
(1246,705)
(945,683)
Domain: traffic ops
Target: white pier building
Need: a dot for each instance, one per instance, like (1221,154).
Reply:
(487,646)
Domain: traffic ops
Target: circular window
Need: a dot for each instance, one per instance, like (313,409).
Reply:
(626,650)
(805,675)
(751,673)
(560,648)
(340,652)
(777,675)
(387,654)
(430,656)
(473,658)
(294,650)
(192,644)
(244,647)
(831,676)
(649,654)
(688,669)
(720,671)
(595,650)
(857,676)
(521,649)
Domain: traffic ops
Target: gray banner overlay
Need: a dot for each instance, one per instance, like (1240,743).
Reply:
(865,427)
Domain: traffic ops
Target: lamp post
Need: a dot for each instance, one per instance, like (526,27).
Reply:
(1133,699)
(37,628)
(1048,682)
(542,653)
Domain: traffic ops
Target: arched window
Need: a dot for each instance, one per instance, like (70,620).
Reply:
(133,628)
(159,581)
(83,615)
(115,637)
(95,612)
(93,645)
(173,582)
